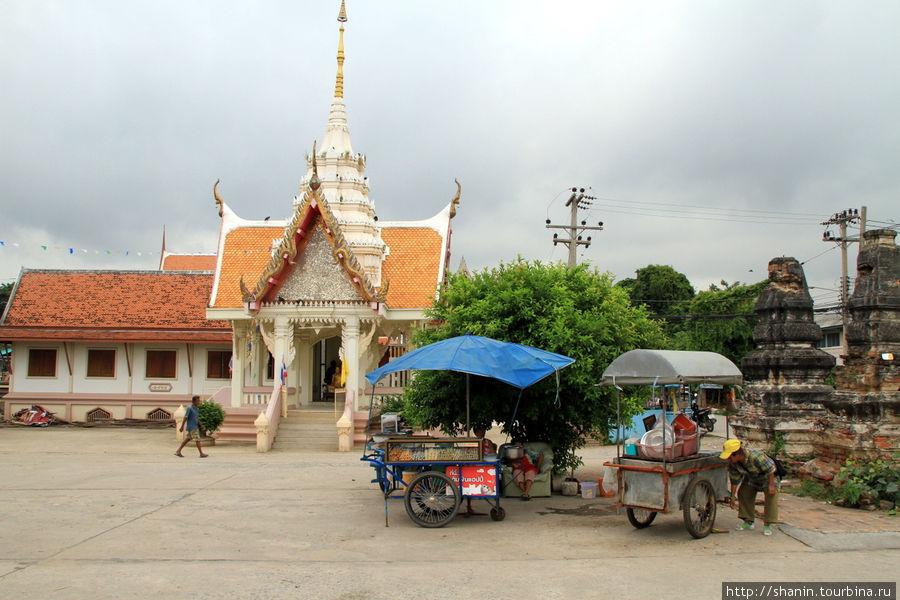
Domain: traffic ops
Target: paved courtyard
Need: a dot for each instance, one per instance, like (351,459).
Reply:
(111,513)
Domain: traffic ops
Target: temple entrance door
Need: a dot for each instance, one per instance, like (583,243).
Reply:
(325,359)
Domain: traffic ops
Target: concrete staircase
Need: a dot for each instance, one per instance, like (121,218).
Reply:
(308,429)
(238,425)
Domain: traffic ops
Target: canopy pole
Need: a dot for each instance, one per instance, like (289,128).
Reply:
(369,421)
(515,412)
(618,417)
(467,404)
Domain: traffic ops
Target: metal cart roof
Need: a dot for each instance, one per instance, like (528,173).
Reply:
(661,367)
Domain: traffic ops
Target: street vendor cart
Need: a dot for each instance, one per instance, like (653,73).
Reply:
(668,475)
(433,474)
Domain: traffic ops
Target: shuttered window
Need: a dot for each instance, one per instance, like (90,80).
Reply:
(42,362)
(217,362)
(161,364)
(101,363)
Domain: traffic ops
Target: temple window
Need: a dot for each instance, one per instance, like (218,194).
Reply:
(161,364)
(42,362)
(217,364)
(101,362)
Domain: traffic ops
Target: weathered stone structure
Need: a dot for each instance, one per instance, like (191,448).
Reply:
(785,389)
(862,418)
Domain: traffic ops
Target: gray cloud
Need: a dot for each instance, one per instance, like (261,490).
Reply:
(683,117)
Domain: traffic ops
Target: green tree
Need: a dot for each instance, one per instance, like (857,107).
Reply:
(721,320)
(576,312)
(5,291)
(661,288)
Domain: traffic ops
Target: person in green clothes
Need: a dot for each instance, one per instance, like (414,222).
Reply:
(750,472)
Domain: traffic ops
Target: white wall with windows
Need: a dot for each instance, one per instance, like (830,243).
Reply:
(102,368)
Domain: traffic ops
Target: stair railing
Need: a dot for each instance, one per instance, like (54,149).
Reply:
(267,422)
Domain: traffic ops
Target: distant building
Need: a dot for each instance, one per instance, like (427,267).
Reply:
(98,345)
(832,334)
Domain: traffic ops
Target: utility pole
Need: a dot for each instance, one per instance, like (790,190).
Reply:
(575,231)
(842,219)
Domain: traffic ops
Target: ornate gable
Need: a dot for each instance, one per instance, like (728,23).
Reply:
(314,276)
(290,274)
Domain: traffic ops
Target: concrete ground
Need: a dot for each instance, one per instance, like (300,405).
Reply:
(111,513)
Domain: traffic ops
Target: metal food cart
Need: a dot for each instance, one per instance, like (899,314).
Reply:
(432,475)
(693,484)
(446,469)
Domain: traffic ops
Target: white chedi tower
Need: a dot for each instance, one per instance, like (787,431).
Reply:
(341,173)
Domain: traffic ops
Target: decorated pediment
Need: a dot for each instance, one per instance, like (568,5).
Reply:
(313,261)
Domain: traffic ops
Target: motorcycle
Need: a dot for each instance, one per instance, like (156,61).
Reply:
(701,416)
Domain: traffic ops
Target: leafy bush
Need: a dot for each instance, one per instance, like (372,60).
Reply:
(211,416)
(391,403)
(871,482)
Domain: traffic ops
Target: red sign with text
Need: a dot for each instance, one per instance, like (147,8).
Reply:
(477,480)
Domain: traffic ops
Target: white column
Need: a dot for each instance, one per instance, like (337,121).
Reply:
(282,335)
(238,362)
(350,342)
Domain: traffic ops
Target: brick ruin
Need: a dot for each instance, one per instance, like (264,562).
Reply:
(784,378)
(862,417)
(786,399)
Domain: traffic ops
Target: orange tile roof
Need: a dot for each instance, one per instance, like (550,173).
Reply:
(189,262)
(112,306)
(413,265)
(246,253)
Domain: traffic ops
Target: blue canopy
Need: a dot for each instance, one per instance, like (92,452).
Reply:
(519,366)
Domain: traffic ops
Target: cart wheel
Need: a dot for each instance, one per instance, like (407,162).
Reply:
(498,513)
(699,507)
(639,517)
(431,499)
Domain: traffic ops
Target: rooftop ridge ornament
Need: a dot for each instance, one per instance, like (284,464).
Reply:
(219,202)
(314,182)
(455,201)
(339,82)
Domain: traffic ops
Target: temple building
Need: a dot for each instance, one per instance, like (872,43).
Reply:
(328,285)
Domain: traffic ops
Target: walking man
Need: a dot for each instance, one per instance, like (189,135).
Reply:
(192,420)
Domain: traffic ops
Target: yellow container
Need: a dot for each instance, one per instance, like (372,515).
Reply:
(408,476)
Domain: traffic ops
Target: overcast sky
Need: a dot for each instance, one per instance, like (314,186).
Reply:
(715,135)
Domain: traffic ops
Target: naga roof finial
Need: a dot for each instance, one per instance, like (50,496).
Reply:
(219,202)
(455,202)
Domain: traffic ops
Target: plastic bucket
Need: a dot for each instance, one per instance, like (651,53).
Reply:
(589,489)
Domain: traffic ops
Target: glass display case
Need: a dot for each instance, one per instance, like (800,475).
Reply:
(412,450)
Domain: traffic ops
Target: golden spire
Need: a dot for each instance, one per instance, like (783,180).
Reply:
(339,83)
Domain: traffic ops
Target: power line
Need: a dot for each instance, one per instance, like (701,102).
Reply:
(715,208)
(693,216)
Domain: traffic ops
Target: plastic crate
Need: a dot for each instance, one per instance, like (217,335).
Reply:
(589,489)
